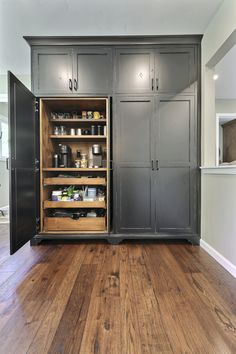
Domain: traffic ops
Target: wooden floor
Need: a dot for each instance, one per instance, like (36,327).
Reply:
(133,298)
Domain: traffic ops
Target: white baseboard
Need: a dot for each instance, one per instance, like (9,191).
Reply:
(230,267)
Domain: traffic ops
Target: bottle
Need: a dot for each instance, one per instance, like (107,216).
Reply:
(55,161)
(78,159)
(84,161)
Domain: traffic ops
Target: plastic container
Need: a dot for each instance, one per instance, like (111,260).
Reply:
(56,196)
(92,192)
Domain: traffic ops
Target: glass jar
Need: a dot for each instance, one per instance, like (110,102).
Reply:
(84,161)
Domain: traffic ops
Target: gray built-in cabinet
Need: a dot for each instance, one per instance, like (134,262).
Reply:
(154,91)
(71,70)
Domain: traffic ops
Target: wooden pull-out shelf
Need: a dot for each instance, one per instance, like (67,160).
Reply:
(64,204)
(73,169)
(78,137)
(79,120)
(68,224)
(75,181)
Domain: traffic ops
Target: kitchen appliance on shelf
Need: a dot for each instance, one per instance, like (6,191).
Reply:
(97,155)
(64,152)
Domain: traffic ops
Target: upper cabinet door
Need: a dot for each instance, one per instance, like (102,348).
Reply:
(92,71)
(175,71)
(52,71)
(134,71)
(22,136)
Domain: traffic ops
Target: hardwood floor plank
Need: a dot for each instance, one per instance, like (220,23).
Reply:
(68,336)
(153,335)
(103,321)
(46,332)
(25,321)
(196,324)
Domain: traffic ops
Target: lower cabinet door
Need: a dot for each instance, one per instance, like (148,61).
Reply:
(135,202)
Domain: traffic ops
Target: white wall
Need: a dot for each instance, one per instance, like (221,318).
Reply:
(218,197)
(218,214)
(225,106)
(4,185)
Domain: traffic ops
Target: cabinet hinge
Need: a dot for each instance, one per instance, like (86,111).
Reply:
(36,105)
(37,224)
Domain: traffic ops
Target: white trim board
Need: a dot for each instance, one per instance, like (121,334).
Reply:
(225,263)
(219,170)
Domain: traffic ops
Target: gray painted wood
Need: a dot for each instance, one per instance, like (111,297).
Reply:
(176,154)
(134,71)
(92,70)
(175,70)
(52,70)
(133,153)
(112,40)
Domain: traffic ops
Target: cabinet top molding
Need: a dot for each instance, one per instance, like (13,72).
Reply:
(112,40)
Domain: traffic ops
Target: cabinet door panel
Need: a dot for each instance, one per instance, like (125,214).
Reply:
(52,70)
(93,70)
(177,159)
(135,209)
(173,199)
(174,131)
(134,178)
(134,71)
(175,70)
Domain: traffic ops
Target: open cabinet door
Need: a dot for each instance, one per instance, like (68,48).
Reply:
(22,160)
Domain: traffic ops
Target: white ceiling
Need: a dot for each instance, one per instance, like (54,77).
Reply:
(94,17)
(226,69)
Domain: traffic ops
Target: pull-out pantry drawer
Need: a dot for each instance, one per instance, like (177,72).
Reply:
(68,224)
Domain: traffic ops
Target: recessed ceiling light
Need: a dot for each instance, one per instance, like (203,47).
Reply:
(215,76)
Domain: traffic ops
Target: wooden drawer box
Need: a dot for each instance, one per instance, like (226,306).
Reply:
(68,224)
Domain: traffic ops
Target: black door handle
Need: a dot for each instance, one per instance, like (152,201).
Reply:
(75,85)
(152,84)
(157,165)
(152,165)
(7,163)
(70,84)
(157,84)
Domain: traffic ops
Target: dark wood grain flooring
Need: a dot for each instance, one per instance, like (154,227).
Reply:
(134,298)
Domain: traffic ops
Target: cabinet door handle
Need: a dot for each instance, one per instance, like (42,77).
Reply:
(157,165)
(7,163)
(75,85)
(157,84)
(152,84)
(152,165)
(70,84)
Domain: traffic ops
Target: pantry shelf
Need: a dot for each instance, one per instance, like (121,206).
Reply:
(73,169)
(78,120)
(74,181)
(78,137)
(67,204)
